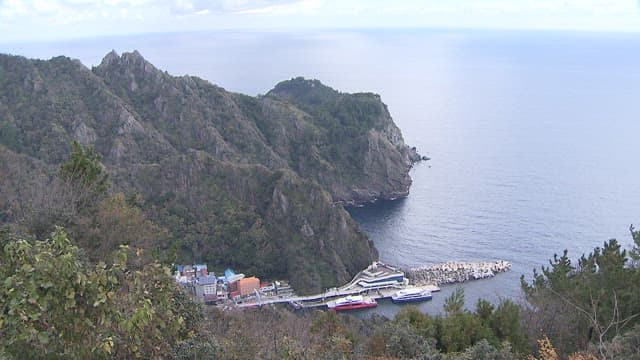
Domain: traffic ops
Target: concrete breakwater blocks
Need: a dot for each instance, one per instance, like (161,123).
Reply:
(456,272)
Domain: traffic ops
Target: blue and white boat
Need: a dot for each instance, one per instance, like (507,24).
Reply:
(411,295)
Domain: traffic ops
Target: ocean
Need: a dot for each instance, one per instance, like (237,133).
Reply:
(533,136)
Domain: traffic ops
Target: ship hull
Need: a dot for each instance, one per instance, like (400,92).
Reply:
(354,306)
(411,300)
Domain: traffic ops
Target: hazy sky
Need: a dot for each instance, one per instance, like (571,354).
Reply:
(35,20)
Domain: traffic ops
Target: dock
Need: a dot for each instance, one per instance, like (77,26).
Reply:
(380,281)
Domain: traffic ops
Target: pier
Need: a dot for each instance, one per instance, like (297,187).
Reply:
(380,281)
(388,279)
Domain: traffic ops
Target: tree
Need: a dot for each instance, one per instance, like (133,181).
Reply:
(483,350)
(424,324)
(65,199)
(56,305)
(625,346)
(506,324)
(84,170)
(635,252)
(403,341)
(334,339)
(484,309)
(586,304)
(116,223)
(460,330)
(455,303)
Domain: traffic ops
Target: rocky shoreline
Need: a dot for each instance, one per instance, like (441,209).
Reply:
(363,197)
(453,272)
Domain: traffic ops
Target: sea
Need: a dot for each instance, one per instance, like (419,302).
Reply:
(534,137)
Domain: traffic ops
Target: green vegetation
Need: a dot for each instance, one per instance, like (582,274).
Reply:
(59,305)
(545,328)
(588,304)
(279,334)
(177,169)
(78,199)
(56,305)
(459,329)
(222,178)
(129,306)
(83,170)
(9,135)
(343,124)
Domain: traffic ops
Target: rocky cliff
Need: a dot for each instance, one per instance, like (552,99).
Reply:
(357,151)
(250,182)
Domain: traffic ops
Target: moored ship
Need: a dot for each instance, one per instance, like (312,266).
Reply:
(352,303)
(411,295)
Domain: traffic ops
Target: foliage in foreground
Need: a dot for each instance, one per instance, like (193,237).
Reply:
(57,305)
(578,312)
(274,333)
(586,306)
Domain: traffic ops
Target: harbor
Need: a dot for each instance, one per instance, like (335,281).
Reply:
(378,281)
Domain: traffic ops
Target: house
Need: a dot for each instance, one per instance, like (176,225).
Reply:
(248,285)
(206,289)
(189,272)
(201,270)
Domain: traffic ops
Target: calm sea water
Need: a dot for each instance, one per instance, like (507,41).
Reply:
(533,136)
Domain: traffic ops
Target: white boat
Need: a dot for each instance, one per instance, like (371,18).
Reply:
(411,295)
(351,303)
(381,284)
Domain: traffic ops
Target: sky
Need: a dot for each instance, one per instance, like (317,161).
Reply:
(50,20)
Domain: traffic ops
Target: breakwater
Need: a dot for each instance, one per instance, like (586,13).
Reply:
(455,272)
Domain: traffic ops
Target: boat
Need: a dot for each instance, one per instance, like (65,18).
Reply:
(352,303)
(411,295)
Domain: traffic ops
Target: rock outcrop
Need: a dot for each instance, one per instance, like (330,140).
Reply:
(361,154)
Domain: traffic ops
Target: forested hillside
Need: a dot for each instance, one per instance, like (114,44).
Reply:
(254,183)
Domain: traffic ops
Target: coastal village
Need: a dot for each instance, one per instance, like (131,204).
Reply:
(378,281)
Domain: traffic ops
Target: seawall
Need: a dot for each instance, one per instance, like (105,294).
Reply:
(452,272)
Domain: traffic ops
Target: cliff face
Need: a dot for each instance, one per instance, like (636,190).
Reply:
(253,183)
(358,153)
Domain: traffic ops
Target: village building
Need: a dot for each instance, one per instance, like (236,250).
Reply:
(206,288)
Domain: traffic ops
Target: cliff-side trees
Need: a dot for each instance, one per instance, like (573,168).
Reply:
(588,303)
(116,222)
(84,172)
(77,199)
(66,198)
(488,330)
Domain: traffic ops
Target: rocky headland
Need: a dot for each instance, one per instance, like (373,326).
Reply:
(255,183)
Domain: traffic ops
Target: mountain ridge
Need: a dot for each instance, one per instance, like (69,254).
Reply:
(271,170)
